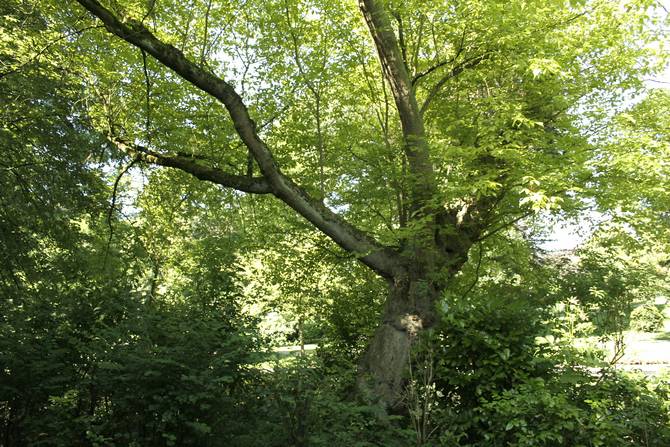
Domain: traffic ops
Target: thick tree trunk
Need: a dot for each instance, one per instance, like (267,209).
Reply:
(410,308)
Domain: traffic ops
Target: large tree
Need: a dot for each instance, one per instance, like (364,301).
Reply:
(407,132)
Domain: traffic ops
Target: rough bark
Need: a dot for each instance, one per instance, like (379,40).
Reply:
(439,244)
(410,308)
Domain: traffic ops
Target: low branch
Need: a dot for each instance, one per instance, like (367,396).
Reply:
(253,185)
(383,260)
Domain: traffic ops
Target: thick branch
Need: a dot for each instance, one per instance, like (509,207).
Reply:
(422,180)
(381,259)
(135,33)
(395,70)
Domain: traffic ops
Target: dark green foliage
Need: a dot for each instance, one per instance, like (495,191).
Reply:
(353,314)
(306,404)
(647,318)
(130,326)
(175,378)
(107,367)
(483,346)
(503,387)
(578,409)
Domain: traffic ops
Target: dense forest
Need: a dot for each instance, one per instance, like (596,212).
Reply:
(325,223)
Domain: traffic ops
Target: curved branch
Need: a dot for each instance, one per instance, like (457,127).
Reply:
(458,69)
(381,259)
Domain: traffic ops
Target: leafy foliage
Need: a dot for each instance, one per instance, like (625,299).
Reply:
(501,380)
(135,301)
(647,318)
(294,403)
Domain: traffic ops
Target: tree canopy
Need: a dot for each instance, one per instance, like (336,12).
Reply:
(305,155)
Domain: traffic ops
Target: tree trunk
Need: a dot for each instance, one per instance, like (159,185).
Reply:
(409,309)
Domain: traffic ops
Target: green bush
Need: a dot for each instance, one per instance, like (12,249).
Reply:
(304,403)
(576,408)
(161,375)
(498,386)
(176,378)
(646,318)
(483,346)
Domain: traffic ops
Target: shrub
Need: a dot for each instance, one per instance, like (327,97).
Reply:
(576,408)
(303,403)
(498,386)
(482,346)
(646,318)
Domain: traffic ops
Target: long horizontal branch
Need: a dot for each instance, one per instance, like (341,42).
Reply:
(253,185)
(381,259)
(428,71)
(435,67)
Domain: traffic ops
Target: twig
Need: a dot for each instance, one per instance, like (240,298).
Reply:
(474,283)
(112,206)
(148,95)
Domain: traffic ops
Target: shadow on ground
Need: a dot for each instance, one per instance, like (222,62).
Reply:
(663,336)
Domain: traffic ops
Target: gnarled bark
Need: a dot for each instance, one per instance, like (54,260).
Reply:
(410,308)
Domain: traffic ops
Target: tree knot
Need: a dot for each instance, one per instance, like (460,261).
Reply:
(412,324)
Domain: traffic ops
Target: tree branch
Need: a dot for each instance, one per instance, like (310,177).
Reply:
(439,65)
(401,41)
(112,206)
(253,185)
(417,151)
(504,226)
(381,259)
(393,64)
(428,71)
(458,69)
